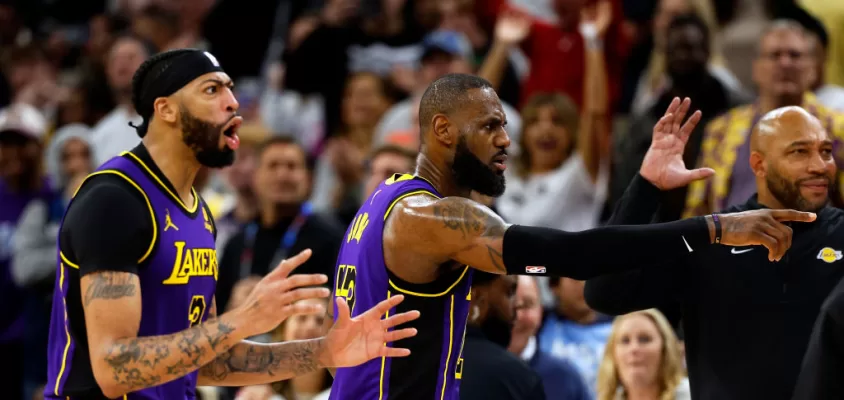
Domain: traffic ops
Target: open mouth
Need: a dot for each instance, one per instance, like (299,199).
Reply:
(230,132)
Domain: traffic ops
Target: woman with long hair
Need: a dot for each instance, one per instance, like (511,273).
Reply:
(642,360)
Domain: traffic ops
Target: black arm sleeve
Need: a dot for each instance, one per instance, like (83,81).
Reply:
(587,254)
(107,227)
(653,285)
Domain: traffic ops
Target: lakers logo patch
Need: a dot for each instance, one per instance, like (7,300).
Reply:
(829,255)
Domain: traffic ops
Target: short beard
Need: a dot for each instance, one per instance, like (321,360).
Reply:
(203,138)
(788,193)
(472,173)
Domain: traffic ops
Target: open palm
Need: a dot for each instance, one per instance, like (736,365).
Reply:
(354,341)
(663,164)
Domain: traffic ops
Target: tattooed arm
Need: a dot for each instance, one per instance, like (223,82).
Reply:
(459,229)
(123,362)
(249,363)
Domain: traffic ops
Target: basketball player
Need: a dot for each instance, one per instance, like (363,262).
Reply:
(134,315)
(420,236)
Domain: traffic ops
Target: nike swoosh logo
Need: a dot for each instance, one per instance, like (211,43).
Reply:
(734,251)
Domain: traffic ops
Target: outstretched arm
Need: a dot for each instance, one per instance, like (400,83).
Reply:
(460,229)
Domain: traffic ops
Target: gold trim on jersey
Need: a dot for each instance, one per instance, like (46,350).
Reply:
(411,193)
(164,187)
(383,361)
(66,331)
(149,205)
(450,343)
(443,293)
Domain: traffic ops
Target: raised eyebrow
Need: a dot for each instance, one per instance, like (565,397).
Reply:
(228,83)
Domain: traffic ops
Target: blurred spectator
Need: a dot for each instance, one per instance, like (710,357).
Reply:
(831,15)
(444,52)
(69,161)
(561,174)
(655,81)
(573,331)
(234,205)
(829,94)
(156,25)
(314,385)
(686,58)
(339,171)
(557,51)
(32,79)
(21,132)
(493,373)
(642,360)
(559,377)
(385,162)
(113,135)
(740,35)
(285,225)
(783,71)
(349,36)
(459,16)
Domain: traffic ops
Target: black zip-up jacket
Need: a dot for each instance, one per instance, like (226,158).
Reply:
(746,320)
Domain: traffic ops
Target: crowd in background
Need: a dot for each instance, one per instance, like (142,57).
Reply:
(329,90)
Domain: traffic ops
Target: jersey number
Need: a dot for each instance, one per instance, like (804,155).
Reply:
(345,284)
(196,310)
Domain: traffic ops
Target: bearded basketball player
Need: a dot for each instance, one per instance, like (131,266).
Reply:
(134,315)
(420,236)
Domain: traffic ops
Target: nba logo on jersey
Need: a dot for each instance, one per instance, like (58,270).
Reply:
(535,270)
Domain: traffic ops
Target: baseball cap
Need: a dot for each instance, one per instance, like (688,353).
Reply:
(447,41)
(24,120)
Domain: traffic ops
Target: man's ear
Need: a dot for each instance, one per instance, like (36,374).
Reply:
(757,164)
(442,131)
(166,109)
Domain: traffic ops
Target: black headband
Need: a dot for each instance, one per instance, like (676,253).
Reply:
(169,75)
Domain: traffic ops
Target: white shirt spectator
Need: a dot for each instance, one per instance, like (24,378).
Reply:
(113,135)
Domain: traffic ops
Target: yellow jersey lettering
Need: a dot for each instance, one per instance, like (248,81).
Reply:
(196,310)
(192,263)
(345,284)
(360,223)
(398,178)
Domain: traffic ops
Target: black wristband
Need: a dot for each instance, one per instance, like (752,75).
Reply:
(717,223)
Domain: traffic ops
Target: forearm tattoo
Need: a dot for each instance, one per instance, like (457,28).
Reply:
(139,363)
(280,360)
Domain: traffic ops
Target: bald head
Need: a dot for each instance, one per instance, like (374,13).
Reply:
(792,158)
(783,123)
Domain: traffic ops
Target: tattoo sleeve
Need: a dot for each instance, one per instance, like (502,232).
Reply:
(123,363)
(479,228)
(249,363)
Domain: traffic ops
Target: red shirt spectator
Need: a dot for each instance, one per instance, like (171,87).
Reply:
(556,53)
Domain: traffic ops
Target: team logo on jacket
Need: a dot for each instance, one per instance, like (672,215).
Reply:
(535,270)
(829,255)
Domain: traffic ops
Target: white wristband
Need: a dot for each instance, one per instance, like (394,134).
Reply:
(590,36)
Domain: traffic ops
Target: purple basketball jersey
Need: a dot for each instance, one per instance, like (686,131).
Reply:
(434,368)
(178,277)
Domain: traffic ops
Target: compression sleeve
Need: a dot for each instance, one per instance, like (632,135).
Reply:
(587,254)
(107,227)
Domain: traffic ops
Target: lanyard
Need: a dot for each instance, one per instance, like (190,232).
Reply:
(287,241)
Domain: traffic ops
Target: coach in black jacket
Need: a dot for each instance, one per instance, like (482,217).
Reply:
(747,320)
